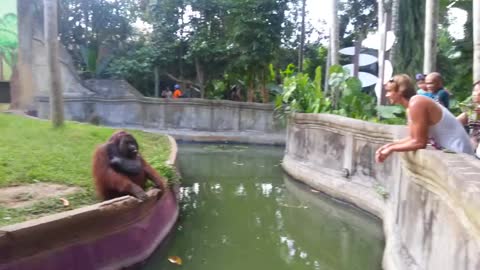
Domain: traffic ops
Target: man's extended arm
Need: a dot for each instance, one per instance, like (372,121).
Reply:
(418,128)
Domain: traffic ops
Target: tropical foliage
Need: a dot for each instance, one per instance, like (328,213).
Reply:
(301,94)
(212,45)
(94,30)
(348,98)
(8,42)
(193,43)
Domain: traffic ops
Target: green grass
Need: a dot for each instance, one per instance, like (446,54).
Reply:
(32,151)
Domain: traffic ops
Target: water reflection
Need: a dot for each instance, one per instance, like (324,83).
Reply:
(238,211)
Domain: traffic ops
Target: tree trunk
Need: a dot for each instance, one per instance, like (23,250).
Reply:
(265,94)
(22,94)
(326,88)
(430,42)
(51,39)
(476,40)
(251,89)
(334,34)
(394,27)
(382,29)
(157,81)
(180,47)
(356,57)
(200,77)
(302,39)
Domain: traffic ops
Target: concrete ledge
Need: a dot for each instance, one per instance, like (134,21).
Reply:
(431,210)
(166,114)
(246,137)
(228,137)
(108,235)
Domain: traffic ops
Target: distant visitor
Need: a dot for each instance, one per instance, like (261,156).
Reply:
(177,93)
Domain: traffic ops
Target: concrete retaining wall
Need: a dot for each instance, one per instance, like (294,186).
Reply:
(156,113)
(428,200)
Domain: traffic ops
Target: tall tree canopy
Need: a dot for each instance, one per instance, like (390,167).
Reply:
(93,29)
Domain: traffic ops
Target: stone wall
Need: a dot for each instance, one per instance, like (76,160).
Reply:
(116,103)
(32,77)
(428,200)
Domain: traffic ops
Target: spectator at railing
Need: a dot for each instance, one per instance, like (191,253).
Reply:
(471,118)
(235,94)
(422,87)
(434,83)
(177,93)
(167,93)
(426,119)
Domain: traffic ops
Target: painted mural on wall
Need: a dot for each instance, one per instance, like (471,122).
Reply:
(8,38)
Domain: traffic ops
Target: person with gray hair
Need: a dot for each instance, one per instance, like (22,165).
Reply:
(426,119)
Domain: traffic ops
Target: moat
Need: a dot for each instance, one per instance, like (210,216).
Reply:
(239,210)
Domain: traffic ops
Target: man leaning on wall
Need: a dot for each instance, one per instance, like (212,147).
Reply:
(425,119)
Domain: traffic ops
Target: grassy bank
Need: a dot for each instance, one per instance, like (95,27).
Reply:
(31,151)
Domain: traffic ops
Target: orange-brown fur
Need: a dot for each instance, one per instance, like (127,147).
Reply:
(111,184)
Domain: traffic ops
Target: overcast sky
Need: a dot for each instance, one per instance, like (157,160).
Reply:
(320,10)
(316,13)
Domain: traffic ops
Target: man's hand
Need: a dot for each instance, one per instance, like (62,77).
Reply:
(382,153)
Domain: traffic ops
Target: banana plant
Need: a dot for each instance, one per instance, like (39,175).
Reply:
(300,94)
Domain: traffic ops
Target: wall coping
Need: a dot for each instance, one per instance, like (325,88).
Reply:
(152,100)
(352,126)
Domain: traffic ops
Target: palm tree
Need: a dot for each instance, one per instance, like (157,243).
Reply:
(430,41)
(334,34)
(394,26)
(476,41)
(51,41)
(332,57)
(381,52)
(302,39)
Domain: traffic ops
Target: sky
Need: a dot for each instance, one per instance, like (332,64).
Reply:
(320,10)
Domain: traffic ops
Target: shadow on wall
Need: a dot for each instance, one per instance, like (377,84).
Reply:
(5,92)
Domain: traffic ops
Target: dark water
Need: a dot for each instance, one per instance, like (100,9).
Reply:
(240,211)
